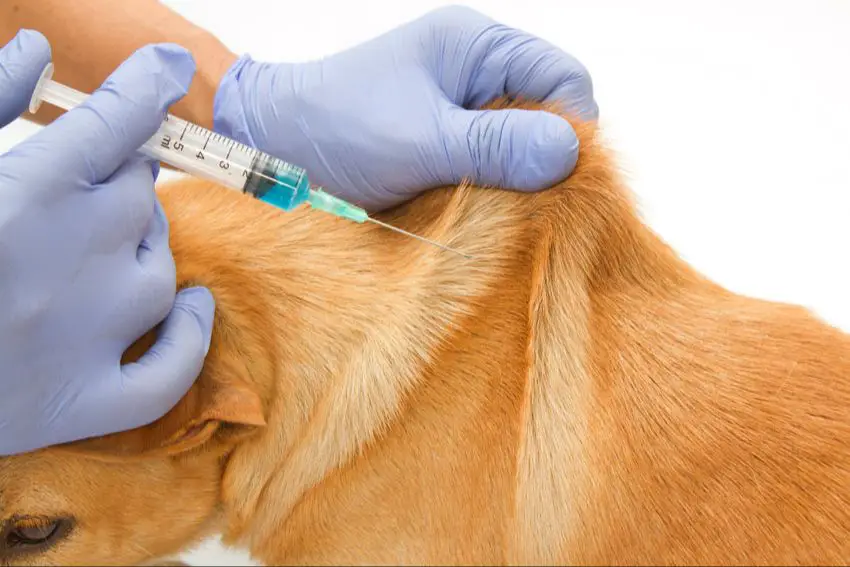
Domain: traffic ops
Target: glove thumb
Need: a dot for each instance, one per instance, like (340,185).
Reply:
(525,150)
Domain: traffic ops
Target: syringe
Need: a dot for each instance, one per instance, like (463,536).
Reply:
(206,154)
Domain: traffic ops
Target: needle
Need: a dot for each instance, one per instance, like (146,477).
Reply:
(438,245)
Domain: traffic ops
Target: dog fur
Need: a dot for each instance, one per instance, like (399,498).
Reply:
(575,394)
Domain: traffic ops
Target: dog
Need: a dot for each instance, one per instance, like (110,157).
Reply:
(573,394)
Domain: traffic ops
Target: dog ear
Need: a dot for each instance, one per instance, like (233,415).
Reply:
(220,409)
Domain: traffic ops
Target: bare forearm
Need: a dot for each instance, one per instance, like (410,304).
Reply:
(90,38)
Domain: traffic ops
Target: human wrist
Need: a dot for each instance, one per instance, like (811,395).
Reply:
(212,61)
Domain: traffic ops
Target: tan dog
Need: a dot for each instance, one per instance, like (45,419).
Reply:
(575,394)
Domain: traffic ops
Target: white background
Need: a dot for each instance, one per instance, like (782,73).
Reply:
(731,118)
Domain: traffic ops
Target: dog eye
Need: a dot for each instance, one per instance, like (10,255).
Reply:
(28,533)
(32,535)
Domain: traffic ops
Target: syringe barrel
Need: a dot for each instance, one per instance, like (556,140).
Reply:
(202,153)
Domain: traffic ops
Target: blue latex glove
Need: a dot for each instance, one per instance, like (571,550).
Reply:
(387,119)
(86,264)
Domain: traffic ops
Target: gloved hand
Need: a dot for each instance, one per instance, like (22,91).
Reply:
(85,263)
(386,120)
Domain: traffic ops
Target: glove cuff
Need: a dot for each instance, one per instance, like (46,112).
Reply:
(229,118)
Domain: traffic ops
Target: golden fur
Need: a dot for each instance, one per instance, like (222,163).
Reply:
(576,394)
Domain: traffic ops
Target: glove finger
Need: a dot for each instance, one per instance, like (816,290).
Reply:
(510,149)
(152,292)
(141,392)
(528,67)
(510,62)
(94,139)
(21,62)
